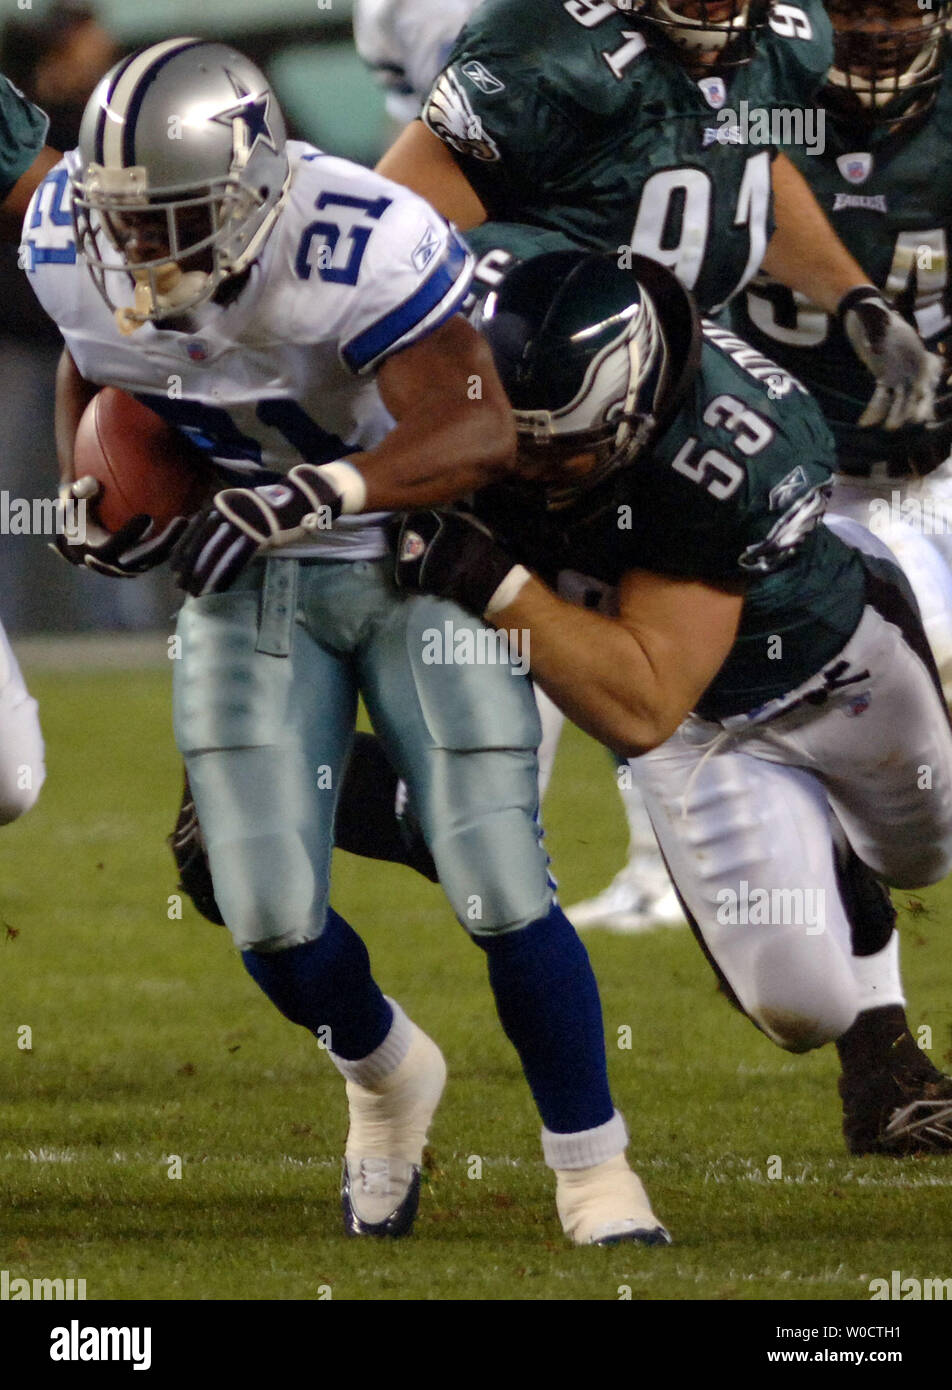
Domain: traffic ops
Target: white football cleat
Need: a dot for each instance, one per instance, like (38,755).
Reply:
(606,1205)
(380,1187)
(638,899)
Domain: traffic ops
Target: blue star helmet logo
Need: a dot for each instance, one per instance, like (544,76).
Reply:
(248,119)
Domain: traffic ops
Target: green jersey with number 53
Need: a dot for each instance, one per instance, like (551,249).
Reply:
(576,117)
(889,197)
(733,490)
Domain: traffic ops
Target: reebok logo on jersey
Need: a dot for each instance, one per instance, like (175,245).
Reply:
(788,489)
(869,202)
(425,249)
(482,78)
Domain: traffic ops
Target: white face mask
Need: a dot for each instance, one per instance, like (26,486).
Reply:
(875,92)
(696,33)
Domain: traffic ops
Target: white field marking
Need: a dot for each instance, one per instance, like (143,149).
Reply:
(736,1169)
(699,1276)
(746,1169)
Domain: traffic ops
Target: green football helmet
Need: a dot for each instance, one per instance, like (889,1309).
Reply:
(594,355)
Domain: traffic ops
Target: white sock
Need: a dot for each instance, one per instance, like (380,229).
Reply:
(390,1111)
(372,1070)
(878,981)
(585,1147)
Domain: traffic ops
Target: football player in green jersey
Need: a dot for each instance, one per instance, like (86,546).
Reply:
(604,121)
(617,124)
(885,180)
(770,683)
(24,158)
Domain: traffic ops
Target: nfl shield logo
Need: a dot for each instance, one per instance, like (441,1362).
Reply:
(855,168)
(859,704)
(413,546)
(196,350)
(714,90)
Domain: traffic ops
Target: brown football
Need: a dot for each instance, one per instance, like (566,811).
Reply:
(143,464)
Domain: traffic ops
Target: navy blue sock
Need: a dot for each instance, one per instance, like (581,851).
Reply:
(327,984)
(548,1004)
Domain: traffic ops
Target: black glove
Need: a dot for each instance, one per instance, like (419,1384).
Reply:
(123,554)
(452,555)
(229,533)
(906,372)
(191,859)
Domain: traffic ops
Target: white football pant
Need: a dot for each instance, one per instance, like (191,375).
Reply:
(742,810)
(22,767)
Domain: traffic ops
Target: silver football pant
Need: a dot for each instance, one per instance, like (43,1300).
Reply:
(265,699)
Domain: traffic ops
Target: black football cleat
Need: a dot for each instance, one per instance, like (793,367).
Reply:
(900,1110)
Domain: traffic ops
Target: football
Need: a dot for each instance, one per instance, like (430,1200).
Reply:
(144,466)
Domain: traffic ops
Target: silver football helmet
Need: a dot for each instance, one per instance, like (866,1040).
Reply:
(181,172)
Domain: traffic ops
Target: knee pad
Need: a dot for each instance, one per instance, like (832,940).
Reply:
(15,799)
(800,1000)
(267,893)
(494,871)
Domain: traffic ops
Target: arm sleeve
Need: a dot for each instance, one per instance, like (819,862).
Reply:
(23,128)
(416,273)
(511,142)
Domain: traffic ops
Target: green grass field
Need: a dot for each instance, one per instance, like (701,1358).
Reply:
(149,1043)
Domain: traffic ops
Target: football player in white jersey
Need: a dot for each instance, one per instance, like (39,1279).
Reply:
(405,43)
(24,162)
(305,312)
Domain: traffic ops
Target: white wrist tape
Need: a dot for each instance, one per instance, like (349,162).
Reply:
(348,481)
(509,590)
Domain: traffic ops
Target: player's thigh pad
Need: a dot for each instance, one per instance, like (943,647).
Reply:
(22,763)
(265,739)
(884,754)
(749,847)
(461,726)
(904,523)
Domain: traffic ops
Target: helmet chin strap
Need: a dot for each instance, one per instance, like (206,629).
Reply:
(166,287)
